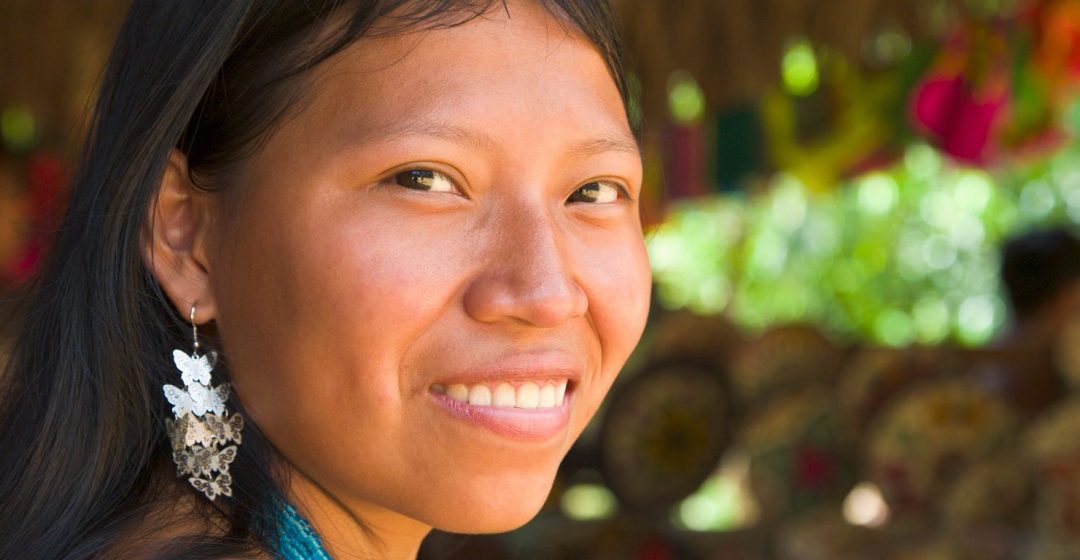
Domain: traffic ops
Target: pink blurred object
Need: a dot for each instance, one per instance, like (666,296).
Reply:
(23,268)
(684,162)
(960,119)
(46,179)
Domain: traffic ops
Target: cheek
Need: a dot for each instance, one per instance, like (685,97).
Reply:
(617,279)
(347,296)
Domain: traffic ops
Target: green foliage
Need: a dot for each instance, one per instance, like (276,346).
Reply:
(897,256)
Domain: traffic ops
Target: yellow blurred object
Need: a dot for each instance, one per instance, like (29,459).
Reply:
(858,130)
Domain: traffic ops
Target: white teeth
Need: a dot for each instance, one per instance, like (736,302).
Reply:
(480,395)
(505,396)
(458,392)
(528,396)
(547,396)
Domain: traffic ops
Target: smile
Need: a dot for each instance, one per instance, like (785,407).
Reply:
(525,395)
(525,411)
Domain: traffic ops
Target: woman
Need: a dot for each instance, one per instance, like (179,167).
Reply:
(405,233)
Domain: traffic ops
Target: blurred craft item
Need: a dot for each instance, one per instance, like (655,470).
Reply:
(801,459)
(664,433)
(683,334)
(927,438)
(876,375)
(1053,448)
(826,535)
(782,359)
(1067,352)
(989,496)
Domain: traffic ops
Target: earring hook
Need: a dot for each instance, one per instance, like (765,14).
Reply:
(194,328)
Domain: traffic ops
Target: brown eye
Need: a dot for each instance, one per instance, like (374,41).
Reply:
(597,192)
(425,180)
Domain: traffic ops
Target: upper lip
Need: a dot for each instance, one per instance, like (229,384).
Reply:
(547,366)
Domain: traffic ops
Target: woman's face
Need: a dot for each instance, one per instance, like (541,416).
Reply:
(452,216)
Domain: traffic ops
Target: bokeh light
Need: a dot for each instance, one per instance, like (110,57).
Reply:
(799,69)
(18,128)
(587,502)
(686,99)
(723,503)
(865,506)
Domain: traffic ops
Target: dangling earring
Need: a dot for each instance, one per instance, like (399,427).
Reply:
(202,427)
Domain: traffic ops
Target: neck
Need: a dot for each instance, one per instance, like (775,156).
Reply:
(354,530)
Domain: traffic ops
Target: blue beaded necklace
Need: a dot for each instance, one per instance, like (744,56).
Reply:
(296,539)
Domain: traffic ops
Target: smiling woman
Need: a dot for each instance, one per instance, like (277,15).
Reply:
(354,270)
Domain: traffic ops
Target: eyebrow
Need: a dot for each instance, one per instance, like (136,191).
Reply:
(609,141)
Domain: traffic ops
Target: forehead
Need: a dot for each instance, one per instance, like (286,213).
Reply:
(516,67)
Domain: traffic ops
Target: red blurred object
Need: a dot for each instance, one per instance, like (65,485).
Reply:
(656,549)
(684,162)
(814,467)
(47,178)
(960,103)
(958,117)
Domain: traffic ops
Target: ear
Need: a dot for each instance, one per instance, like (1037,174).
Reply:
(174,241)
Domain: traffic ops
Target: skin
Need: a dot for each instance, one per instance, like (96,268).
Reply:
(341,295)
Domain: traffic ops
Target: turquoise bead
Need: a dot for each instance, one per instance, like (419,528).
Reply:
(296,539)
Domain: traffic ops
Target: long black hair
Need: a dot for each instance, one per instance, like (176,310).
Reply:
(82,439)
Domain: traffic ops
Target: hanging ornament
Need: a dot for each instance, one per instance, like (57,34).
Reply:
(1055,26)
(838,127)
(962,100)
(684,162)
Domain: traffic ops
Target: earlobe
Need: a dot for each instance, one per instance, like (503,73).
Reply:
(174,240)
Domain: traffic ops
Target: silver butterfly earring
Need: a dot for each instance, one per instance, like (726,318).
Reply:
(202,427)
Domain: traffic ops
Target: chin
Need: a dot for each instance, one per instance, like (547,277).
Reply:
(493,512)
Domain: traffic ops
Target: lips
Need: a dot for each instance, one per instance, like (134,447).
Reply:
(525,397)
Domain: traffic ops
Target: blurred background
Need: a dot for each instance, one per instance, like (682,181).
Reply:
(861,214)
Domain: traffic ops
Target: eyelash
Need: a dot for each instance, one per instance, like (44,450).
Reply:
(411,179)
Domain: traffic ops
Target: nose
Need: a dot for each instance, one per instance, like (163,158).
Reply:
(528,276)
